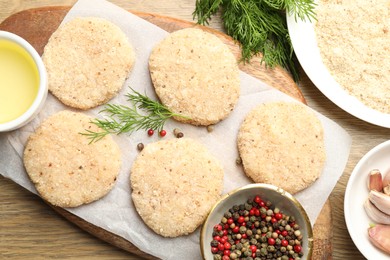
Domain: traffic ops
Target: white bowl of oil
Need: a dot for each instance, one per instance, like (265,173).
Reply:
(23,82)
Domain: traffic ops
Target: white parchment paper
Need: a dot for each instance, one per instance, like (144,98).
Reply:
(115,212)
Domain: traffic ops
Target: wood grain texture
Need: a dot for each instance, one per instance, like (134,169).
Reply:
(29,229)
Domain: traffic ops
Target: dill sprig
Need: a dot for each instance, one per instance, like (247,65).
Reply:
(260,26)
(144,113)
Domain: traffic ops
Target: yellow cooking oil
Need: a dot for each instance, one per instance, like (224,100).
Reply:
(19,80)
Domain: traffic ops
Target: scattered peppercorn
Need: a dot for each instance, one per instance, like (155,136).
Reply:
(210,128)
(256,230)
(239,161)
(163,133)
(178,133)
(150,132)
(140,146)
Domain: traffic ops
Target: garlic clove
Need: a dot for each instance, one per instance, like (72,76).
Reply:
(379,235)
(375,180)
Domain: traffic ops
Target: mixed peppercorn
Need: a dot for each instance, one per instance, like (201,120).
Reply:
(256,230)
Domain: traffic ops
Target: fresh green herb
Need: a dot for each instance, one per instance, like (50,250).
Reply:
(123,119)
(259,25)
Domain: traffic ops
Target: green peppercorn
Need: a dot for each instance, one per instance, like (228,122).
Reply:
(271,248)
(233,256)
(214,243)
(217,257)
(263,251)
(227,214)
(224,220)
(242,229)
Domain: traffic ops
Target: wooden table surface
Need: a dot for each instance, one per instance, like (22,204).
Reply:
(29,229)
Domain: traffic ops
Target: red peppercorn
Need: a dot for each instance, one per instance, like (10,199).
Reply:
(221,247)
(217,238)
(214,250)
(273,220)
(244,236)
(278,231)
(271,241)
(253,248)
(252,212)
(297,248)
(150,132)
(163,133)
(284,242)
(225,232)
(226,253)
(226,257)
(253,255)
(223,240)
(257,199)
(230,221)
(257,212)
(262,204)
(218,227)
(227,245)
(240,219)
(236,229)
(278,216)
(284,233)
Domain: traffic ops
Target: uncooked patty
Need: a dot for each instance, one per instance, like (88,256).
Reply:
(195,74)
(282,143)
(174,185)
(68,171)
(87,61)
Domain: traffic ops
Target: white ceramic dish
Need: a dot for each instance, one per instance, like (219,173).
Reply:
(42,89)
(357,193)
(304,41)
(280,198)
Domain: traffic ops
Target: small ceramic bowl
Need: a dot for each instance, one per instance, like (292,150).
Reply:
(41,94)
(279,198)
(356,194)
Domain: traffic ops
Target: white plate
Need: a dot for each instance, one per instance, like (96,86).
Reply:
(357,193)
(304,41)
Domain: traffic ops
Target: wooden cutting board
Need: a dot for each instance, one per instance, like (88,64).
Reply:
(37,25)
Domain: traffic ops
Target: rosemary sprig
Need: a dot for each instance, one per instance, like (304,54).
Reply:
(259,25)
(127,119)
